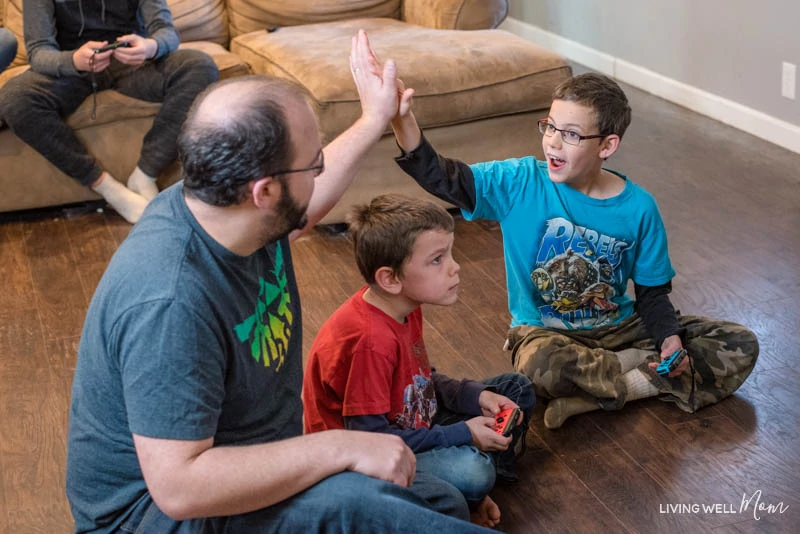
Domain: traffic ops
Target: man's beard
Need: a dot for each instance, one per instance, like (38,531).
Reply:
(290,216)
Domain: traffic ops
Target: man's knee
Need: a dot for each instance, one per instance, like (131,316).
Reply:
(476,476)
(350,496)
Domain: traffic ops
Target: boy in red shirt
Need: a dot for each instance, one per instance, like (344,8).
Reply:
(368,369)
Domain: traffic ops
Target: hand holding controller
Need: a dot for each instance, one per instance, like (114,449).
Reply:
(670,364)
(506,421)
(112,46)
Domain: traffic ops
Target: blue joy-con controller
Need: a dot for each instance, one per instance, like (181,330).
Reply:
(670,364)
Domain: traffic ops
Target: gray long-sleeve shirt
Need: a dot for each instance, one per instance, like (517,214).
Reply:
(54,29)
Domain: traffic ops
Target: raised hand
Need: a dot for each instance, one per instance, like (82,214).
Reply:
(382,94)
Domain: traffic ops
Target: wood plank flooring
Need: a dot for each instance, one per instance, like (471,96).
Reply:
(731,204)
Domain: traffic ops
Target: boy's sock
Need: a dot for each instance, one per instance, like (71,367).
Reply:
(562,408)
(631,358)
(144,185)
(639,386)
(126,202)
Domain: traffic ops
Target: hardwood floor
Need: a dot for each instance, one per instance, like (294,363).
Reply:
(731,204)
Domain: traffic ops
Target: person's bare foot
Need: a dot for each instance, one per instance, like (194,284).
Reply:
(486,513)
(127,203)
(142,184)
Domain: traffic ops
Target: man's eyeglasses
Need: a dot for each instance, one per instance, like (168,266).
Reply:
(570,137)
(317,169)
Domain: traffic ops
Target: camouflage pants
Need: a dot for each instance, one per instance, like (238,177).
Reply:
(568,363)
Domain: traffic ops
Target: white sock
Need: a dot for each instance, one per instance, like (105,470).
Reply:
(631,358)
(143,184)
(127,203)
(638,385)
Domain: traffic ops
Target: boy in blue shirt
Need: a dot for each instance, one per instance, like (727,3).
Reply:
(574,234)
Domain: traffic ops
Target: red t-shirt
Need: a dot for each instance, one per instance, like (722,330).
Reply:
(363,362)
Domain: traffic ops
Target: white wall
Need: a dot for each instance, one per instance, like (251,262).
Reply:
(720,57)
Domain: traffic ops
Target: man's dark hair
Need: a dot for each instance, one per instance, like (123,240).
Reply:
(219,156)
(385,230)
(603,95)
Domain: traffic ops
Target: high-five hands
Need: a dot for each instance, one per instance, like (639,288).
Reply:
(378,86)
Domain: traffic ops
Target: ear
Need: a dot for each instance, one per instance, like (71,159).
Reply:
(609,145)
(266,192)
(387,280)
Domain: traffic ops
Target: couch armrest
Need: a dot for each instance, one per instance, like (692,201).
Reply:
(455,14)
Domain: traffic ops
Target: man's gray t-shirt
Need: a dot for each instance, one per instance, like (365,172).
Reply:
(183,340)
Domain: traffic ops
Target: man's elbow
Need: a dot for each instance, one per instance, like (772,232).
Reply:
(178,503)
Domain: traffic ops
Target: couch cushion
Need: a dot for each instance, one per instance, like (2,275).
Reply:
(458,76)
(200,20)
(250,15)
(455,14)
(229,64)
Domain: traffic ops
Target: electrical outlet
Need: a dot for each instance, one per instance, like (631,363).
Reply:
(788,80)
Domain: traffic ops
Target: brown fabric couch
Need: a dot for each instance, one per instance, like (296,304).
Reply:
(479,90)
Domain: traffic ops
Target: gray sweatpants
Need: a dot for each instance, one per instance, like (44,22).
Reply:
(563,363)
(35,107)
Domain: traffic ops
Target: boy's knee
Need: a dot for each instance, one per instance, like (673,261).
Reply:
(477,478)
(14,102)
(197,65)
(465,467)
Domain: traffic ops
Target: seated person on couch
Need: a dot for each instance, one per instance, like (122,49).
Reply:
(8,48)
(61,39)
(368,368)
(574,234)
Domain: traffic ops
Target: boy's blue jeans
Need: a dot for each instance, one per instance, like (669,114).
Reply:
(343,503)
(465,467)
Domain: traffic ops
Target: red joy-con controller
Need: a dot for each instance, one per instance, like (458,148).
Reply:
(506,421)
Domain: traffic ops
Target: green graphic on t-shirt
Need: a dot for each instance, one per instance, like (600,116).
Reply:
(269,329)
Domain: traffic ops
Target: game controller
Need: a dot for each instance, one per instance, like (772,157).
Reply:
(506,421)
(670,364)
(112,46)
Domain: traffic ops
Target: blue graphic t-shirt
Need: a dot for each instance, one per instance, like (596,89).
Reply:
(569,256)
(183,340)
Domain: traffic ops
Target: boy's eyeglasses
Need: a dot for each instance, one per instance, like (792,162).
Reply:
(316,168)
(570,137)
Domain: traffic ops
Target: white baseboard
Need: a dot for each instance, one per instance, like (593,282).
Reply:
(767,127)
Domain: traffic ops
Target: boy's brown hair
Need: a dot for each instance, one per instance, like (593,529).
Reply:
(603,95)
(385,230)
